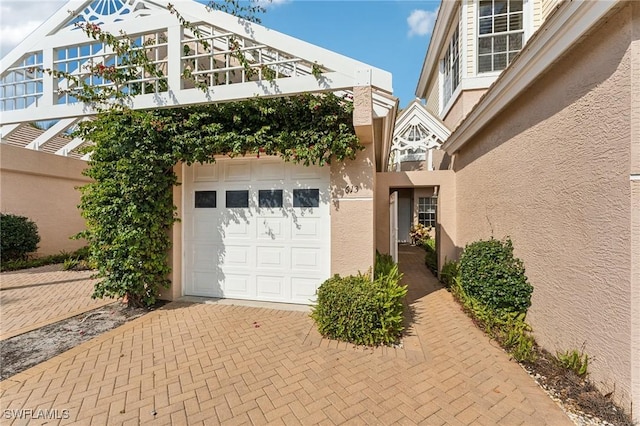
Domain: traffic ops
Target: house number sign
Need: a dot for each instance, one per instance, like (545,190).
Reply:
(351,189)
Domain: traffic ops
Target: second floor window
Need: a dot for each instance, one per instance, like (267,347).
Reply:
(500,33)
(451,68)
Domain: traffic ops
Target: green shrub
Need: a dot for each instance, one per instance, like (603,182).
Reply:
(18,237)
(384,264)
(490,273)
(449,272)
(61,257)
(508,328)
(358,310)
(431,257)
(578,362)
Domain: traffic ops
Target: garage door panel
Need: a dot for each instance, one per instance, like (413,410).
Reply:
(270,257)
(271,287)
(205,228)
(237,285)
(206,172)
(236,255)
(269,170)
(303,290)
(206,257)
(306,259)
(305,229)
(235,229)
(237,171)
(205,284)
(299,172)
(271,228)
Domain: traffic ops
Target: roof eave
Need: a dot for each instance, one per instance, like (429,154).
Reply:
(436,43)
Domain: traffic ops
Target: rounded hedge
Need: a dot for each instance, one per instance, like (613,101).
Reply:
(491,274)
(18,237)
(361,311)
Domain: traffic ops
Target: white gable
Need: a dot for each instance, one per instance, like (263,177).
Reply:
(416,134)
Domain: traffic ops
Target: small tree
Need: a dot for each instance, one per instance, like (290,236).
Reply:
(18,237)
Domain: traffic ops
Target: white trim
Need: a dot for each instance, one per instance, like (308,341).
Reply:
(6,130)
(464,38)
(51,133)
(561,30)
(437,41)
(454,97)
(634,178)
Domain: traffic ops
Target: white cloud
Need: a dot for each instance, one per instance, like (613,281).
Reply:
(421,22)
(267,3)
(19,18)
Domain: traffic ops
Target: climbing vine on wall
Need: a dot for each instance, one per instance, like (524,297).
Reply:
(129,206)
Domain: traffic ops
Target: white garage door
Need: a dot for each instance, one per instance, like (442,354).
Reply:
(256,229)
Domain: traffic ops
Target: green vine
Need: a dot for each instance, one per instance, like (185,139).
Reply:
(129,205)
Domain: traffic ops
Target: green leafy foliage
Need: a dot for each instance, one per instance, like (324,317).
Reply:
(449,272)
(61,257)
(358,310)
(431,257)
(576,361)
(490,273)
(18,237)
(508,328)
(384,265)
(129,208)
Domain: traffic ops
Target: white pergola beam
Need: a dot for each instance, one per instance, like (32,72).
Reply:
(51,133)
(6,130)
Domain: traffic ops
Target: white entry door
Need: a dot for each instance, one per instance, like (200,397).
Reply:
(393,226)
(256,229)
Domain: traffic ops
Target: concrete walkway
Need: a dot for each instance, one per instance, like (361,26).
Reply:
(33,298)
(209,364)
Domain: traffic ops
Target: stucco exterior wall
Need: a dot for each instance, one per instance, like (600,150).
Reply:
(462,106)
(42,187)
(352,213)
(552,172)
(444,180)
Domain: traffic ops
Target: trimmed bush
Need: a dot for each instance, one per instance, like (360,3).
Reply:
(358,310)
(491,274)
(18,237)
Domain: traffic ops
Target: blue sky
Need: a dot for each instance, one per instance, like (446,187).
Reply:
(389,34)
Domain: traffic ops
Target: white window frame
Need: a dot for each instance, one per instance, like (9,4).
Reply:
(524,31)
(451,66)
(428,206)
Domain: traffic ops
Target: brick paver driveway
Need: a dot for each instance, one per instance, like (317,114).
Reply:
(33,298)
(210,364)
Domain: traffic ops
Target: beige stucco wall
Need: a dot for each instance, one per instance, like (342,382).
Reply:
(352,213)
(462,106)
(552,172)
(42,187)
(175,254)
(445,181)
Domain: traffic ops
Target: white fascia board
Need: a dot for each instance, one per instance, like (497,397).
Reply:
(334,61)
(51,133)
(418,110)
(559,33)
(233,92)
(438,38)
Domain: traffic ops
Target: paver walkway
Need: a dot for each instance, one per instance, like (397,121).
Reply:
(210,364)
(33,298)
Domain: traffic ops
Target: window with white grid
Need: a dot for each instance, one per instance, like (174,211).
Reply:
(427,207)
(500,33)
(451,67)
